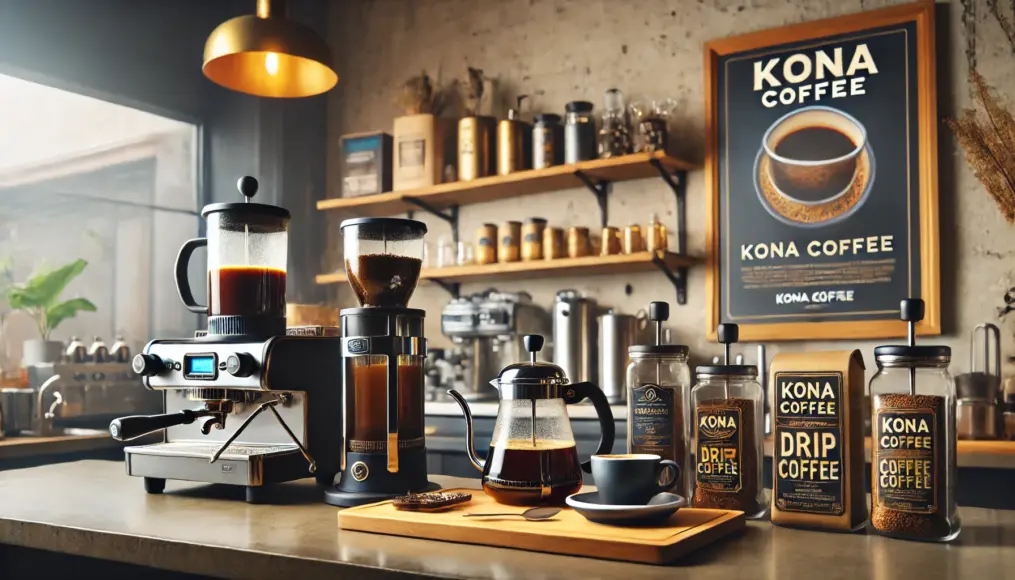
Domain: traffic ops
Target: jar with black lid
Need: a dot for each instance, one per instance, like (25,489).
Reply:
(658,400)
(728,435)
(547,141)
(579,132)
(913,459)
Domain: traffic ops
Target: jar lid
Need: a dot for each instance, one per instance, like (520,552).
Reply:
(547,119)
(727,371)
(386,228)
(578,107)
(538,221)
(903,354)
(671,349)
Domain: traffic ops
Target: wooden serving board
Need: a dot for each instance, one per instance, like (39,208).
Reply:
(567,533)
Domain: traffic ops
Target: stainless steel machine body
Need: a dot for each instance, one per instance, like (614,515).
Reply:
(575,336)
(216,390)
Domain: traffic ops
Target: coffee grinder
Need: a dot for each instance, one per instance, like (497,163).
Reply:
(383,351)
(217,386)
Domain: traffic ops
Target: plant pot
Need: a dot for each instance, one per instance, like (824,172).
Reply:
(41,351)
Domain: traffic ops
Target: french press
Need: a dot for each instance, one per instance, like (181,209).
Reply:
(248,246)
(533,458)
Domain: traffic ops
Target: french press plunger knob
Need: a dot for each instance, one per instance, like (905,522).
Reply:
(247,186)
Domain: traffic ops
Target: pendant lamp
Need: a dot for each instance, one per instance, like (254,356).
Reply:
(269,56)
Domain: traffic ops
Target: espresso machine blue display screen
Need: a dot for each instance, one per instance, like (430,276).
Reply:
(199,366)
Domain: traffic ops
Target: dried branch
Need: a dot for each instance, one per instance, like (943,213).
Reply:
(987,140)
(1006,24)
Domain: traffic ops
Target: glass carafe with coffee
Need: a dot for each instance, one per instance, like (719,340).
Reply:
(533,458)
(247,251)
(384,349)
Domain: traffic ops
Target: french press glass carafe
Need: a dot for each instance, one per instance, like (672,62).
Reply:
(533,458)
(247,245)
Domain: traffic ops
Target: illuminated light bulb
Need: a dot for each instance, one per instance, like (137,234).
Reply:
(271,63)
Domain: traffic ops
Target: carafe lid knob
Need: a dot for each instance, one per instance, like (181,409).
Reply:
(911,310)
(658,311)
(533,343)
(247,185)
(728,333)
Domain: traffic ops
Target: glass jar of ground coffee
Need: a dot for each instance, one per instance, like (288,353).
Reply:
(913,465)
(728,432)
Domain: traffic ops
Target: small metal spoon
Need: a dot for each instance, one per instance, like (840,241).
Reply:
(532,514)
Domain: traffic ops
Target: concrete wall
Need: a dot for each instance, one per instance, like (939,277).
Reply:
(560,50)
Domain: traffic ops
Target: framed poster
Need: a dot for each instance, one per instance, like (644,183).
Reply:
(821,177)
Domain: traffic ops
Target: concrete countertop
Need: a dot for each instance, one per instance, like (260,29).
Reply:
(92,508)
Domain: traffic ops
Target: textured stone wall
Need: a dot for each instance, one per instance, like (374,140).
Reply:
(561,50)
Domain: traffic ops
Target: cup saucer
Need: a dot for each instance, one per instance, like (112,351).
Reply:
(656,511)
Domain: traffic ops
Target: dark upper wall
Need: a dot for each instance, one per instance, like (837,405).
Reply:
(147,54)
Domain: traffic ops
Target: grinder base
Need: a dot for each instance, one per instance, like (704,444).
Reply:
(366,478)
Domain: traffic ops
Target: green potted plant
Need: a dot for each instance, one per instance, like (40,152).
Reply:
(39,297)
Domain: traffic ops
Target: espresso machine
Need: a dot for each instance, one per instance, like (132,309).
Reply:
(217,386)
(383,353)
(490,326)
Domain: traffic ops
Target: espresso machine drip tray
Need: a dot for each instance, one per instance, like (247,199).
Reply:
(201,450)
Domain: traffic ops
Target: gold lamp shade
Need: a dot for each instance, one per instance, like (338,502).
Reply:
(268,56)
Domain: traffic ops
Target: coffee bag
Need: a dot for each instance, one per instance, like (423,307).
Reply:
(818,459)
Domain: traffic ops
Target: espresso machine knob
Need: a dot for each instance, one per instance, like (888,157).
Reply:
(240,364)
(148,365)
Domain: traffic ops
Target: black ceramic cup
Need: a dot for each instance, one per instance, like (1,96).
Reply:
(632,479)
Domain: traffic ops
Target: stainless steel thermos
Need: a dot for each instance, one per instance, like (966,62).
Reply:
(575,335)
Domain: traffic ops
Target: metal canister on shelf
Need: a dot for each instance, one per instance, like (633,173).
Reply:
(532,239)
(486,244)
(547,141)
(476,147)
(579,132)
(578,242)
(510,235)
(612,242)
(553,243)
(514,142)
(633,241)
(655,237)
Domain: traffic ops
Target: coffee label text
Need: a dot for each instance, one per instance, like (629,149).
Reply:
(905,456)
(719,455)
(808,433)
(813,76)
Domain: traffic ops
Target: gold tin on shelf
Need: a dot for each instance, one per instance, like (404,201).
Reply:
(633,241)
(476,147)
(532,239)
(612,241)
(578,242)
(655,236)
(514,144)
(486,244)
(510,235)
(553,243)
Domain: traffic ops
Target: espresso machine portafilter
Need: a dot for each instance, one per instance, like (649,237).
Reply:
(383,351)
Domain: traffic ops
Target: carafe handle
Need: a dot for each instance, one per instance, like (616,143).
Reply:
(182,282)
(575,393)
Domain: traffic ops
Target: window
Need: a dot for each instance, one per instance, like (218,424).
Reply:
(82,178)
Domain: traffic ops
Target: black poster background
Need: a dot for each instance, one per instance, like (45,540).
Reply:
(891,207)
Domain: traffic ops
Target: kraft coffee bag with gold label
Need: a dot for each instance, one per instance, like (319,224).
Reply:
(818,461)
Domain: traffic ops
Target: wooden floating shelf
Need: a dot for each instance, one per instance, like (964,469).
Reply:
(586,266)
(484,189)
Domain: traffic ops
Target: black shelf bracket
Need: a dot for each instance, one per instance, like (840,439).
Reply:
(678,278)
(678,185)
(451,217)
(600,189)
(452,288)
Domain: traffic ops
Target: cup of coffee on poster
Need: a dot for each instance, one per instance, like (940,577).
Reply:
(632,479)
(814,153)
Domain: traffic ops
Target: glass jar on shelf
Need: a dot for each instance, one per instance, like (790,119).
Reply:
(651,120)
(614,131)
